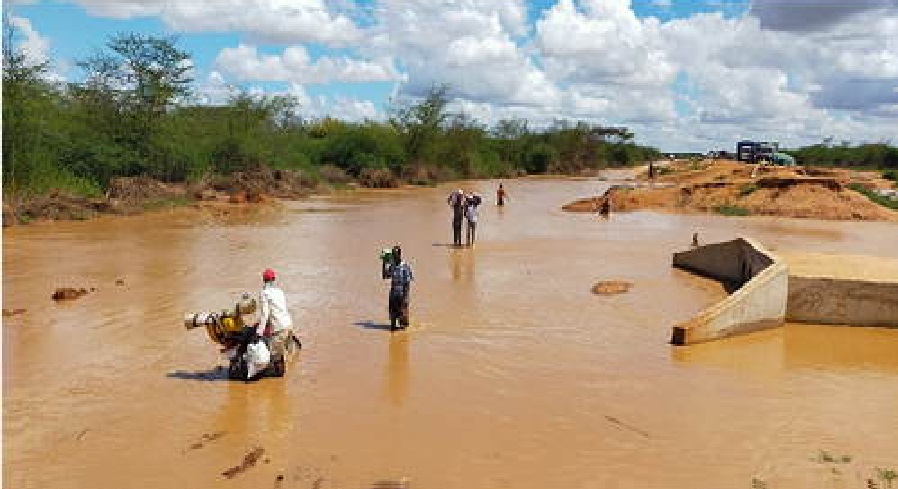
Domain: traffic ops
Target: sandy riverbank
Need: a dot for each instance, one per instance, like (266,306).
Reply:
(733,188)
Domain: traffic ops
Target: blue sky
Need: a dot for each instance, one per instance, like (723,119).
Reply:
(685,75)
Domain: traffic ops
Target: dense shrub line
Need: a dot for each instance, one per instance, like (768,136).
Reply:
(134,115)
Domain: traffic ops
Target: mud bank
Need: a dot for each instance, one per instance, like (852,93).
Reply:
(733,188)
(135,195)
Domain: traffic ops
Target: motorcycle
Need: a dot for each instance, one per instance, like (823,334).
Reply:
(249,355)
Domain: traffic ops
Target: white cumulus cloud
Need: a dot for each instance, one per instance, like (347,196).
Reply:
(287,21)
(295,65)
(470,45)
(34,47)
(795,71)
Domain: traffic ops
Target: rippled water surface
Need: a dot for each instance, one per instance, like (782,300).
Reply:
(512,375)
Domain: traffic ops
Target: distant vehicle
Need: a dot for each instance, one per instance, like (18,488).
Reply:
(755,151)
(783,159)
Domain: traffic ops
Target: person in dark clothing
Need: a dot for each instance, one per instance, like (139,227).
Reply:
(501,195)
(400,275)
(605,206)
(457,202)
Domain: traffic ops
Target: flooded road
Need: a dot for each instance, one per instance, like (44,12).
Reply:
(512,374)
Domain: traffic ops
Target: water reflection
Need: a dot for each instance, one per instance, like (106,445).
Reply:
(461,265)
(397,370)
(796,347)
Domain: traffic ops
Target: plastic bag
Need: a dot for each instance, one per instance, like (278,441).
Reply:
(386,259)
(257,358)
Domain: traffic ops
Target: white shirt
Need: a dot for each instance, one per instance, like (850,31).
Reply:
(273,308)
(471,212)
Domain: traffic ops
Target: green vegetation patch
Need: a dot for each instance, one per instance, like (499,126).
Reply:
(134,115)
(864,156)
(731,210)
(889,476)
(874,197)
(747,189)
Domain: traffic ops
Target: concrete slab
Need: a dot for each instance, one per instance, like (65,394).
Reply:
(842,289)
(770,289)
(759,301)
(845,267)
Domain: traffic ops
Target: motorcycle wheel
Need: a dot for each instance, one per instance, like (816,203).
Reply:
(278,367)
(238,370)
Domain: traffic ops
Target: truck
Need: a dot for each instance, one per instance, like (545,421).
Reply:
(756,151)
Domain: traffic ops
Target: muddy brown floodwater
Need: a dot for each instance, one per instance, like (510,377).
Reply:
(513,373)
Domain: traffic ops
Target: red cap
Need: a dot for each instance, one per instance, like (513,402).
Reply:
(268,275)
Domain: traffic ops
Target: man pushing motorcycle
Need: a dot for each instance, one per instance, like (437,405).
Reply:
(275,322)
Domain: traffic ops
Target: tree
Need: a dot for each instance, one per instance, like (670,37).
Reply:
(140,77)
(463,146)
(421,124)
(25,99)
(511,139)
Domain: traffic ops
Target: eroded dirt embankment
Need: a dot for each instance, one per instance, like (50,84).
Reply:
(133,195)
(733,188)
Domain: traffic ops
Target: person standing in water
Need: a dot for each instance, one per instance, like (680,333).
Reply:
(275,321)
(501,195)
(456,201)
(471,204)
(400,274)
(605,206)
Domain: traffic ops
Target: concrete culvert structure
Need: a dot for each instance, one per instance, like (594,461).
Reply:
(766,290)
(758,282)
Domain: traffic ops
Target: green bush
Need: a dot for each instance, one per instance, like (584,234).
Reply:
(731,210)
(357,148)
(862,156)
(874,197)
(747,189)
(538,158)
(81,136)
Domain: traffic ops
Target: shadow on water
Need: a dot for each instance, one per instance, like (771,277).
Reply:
(216,374)
(451,246)
(372,325)
(391,484)
(397,369)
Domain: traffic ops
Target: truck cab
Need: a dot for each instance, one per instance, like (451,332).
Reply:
(755,151)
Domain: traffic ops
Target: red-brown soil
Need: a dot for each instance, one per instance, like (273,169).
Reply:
(729,186)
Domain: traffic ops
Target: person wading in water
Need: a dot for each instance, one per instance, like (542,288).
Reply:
(456,200)
(472,202)
(400,274)
(275,321)
(501,195)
